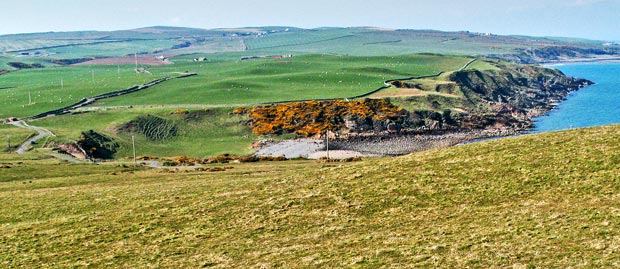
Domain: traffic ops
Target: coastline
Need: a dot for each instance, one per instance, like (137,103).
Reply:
(379,145)
(581,60)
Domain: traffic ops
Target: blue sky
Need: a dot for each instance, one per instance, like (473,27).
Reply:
(594,19)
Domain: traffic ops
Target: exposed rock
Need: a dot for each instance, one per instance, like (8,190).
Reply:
(74,150)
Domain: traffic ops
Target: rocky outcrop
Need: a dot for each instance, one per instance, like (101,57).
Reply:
(73,150)
(512,96)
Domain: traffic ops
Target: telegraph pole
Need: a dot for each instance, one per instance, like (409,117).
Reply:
(133,143)
(327,137)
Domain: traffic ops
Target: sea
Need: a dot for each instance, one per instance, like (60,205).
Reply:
(595,105)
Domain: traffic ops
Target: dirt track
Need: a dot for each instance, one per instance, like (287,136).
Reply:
(42,133)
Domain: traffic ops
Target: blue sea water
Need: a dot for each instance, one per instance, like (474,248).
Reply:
(594,105)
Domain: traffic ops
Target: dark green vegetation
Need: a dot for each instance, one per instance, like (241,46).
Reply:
(489,92)
(153,127)
(97,145)
(534,201)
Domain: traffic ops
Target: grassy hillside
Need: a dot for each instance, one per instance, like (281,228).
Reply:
(200,133)
(10,134)
(297,78)
(227,82)
(53,88)
(534,201)
(364,41)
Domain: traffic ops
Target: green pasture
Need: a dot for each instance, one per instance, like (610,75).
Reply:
(218,82)
(13,135)
(364,42)
(216,132)
(297,78)
(33,91)
(8,44)
(111,49)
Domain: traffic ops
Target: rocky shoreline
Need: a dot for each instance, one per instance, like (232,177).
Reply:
(482,104)
(370,145)
(402,144)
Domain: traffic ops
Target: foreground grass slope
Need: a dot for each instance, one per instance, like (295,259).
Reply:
(547,200)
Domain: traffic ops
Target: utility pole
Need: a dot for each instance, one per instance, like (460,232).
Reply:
(29,98)
(133,143)
(327,137)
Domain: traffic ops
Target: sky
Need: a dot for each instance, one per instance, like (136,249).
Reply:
(593,19)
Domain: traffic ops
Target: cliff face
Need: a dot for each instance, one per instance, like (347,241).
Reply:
(504,99)
(512,95)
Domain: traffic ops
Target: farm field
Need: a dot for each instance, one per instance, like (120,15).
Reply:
(544,200)
(226,82)
(53,88)
(297,78)
(201,133)
(111,49)
(13,135)
(374,41)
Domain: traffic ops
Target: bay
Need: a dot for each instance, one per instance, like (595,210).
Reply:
(594,105)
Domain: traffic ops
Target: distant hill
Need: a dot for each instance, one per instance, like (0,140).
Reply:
(358,41)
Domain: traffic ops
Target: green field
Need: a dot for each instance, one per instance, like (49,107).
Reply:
(368,41)
(13,135)
(111,49)
(535,201)
(220,82)
(213,132)
(297,78)
(53,88)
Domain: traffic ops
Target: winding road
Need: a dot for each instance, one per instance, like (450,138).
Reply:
(41,133)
